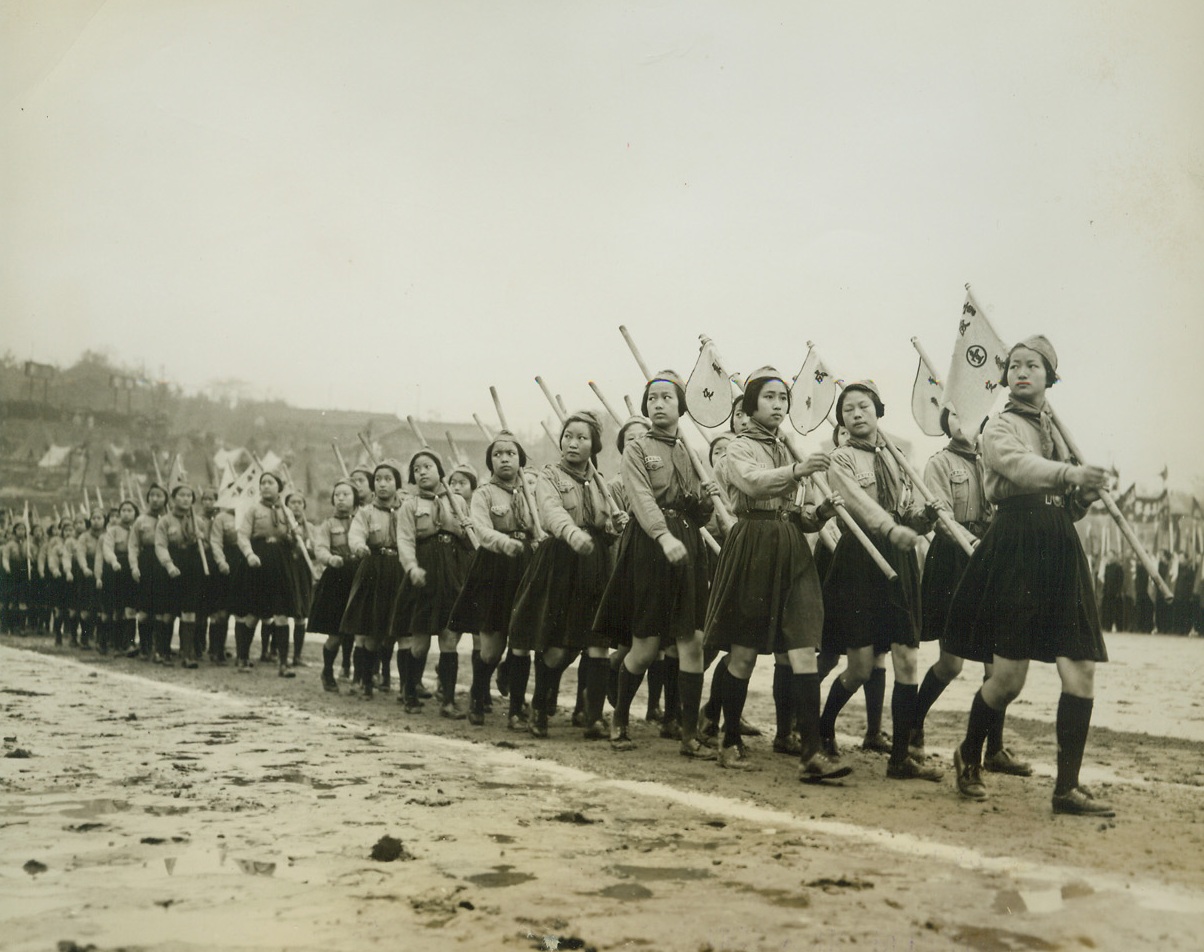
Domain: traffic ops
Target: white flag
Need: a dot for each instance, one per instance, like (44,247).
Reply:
(244,487)
(927,399)
(708,391)
(979,360)
(813,393)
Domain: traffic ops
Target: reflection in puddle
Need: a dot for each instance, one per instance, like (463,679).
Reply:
(502,876)
(626,891)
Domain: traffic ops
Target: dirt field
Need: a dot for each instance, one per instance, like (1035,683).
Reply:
(152,808)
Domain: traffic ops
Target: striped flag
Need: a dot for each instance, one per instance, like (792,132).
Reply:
(979,360)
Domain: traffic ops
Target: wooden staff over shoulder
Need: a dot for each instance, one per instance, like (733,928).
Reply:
(943,515)
(457,454)
(1117,516)
(454,500)
(630,406)
(338,455)
(701,469)
(563,415)
(528,499)
(28,545)
(485,431)
(368,449)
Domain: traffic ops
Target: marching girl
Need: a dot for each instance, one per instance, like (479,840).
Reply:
(177,548)
(360,477)
(766,595)
(372,539)
(228,583)
(57,583)
(954,476)
(67,563)
(432,549)
(265,539)
(1027,593)
(37,588)
(147,573)
(87,581)
(117,589)
(213,615)
(557,598)
(332,551)
(505,531)
(866,614)
(657,593)
(17,561)
(303,579)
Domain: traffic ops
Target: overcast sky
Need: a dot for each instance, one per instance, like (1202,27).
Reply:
(391,205)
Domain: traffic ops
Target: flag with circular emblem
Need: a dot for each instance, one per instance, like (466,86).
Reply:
(709,389)
(979,361)
(812,393)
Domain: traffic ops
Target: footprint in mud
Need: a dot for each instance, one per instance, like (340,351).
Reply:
(988,939)
(626,891)
(501,876)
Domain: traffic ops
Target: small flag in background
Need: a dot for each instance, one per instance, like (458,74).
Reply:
(709,390)
(244,487)
(177,474)
(979,360)
(813,393)
(927,397)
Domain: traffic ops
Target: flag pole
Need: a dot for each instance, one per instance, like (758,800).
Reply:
(952,527)
(1117,516)
(485,431)
(562,415)
(704,472)
(915,342)
(338,455)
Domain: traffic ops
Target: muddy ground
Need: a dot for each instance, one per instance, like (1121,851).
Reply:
(156,808)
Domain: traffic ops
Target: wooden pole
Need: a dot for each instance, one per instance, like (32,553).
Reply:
(630,406)
(605,403)
(338,455)
(368,449)
(562,415)
(944,516)
(486,432)
(292,524)
(701,469)
(1118,517)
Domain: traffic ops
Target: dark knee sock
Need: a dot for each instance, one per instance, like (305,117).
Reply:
(838,697)
(420,663)
(612,681)
(413,673)
(672,695)
(187,648)
(903,716)
(163,637)
(596,673)
(386,663)
(359,663)
(1074,720)
(554,676)
(826,661)
(328,656)
(781,700)
(982,716)
(242,641)
(478,687)
(628,685)
(129,628)
(735,693)
(447,668)
(931,689)
(539,694)
(875,695)
(582,668)
(346,646)
(689,689)
(995,734)
(520,674)
(804,690)
(656,683)
(715,700)
(298,639)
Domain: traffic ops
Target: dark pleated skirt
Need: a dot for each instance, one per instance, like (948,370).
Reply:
(151,576)
(87,596)
(303,584)
(1026,593)
(487,597)
(330,598)
(236,582)
(943,568)
(270,589)
(119,590)
(558,597)
(766,594)
(862,608)
(426,610)
(183,594)
(646,596)
(216,593)
(373,592)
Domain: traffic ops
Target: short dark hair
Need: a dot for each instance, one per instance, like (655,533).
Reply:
(945,422)
(1051,375)
(506,438)
(752,393)
(879,408)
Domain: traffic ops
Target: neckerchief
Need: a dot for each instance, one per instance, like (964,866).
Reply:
(518,499)
(963,450)
(587,498)
(1052,445)
(683,479)
(889,489)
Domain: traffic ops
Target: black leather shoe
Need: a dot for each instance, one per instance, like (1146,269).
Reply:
(1080,802)
(1005,762)
(969,777)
